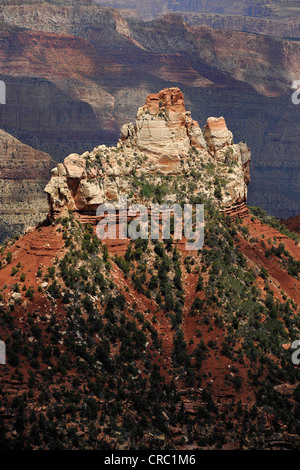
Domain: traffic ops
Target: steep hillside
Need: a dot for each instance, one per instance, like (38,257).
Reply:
(120,344)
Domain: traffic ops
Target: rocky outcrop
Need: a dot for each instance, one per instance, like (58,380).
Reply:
(164,140)
(163,129)
(216,133)
(23,174)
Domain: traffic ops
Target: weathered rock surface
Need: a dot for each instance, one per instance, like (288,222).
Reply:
(23,173)
(163,141)
(217,134)
(163,129)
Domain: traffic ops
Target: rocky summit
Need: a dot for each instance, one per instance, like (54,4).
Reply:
(162,147)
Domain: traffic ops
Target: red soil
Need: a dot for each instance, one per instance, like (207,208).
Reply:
(40,247)
(35,249)
(293,224)
(255,252)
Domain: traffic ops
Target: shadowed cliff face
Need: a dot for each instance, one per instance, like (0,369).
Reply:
(23,173)
(274,18)
(270,68)
(61,90)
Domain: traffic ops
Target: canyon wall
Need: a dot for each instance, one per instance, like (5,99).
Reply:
(163,141)
(149,9)
(273,18)
(23,174)
(287,28)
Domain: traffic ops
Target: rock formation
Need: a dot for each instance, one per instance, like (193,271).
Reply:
(163,129)
(79,71)
(163,141)
(217,134)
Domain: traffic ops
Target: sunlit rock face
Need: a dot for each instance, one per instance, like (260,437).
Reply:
(164,130)
(163,141)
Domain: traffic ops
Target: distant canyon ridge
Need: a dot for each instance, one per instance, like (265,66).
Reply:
(75,73)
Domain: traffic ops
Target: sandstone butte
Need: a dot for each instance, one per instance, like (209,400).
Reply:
(163,142)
